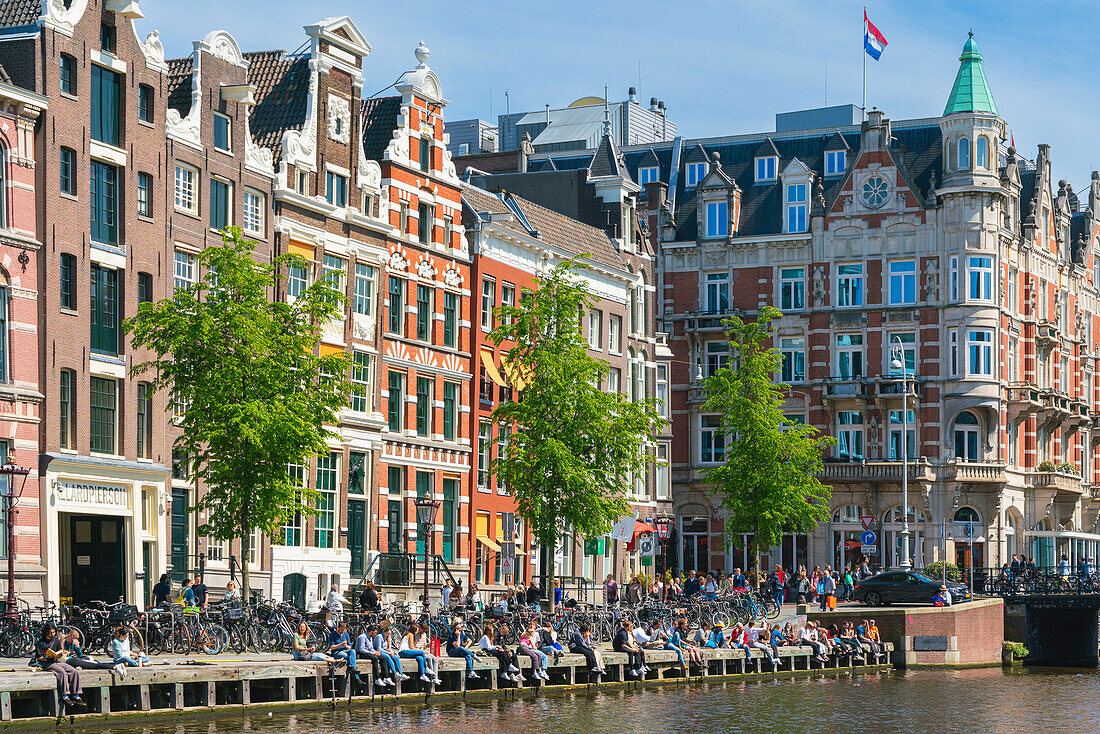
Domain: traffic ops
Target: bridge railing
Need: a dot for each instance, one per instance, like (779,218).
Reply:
(1034,581)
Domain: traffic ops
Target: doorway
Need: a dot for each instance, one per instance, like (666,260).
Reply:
(97,558)
(357,534)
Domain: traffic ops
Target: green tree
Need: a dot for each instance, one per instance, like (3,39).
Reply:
(572,448)
(768,483)
(257,396)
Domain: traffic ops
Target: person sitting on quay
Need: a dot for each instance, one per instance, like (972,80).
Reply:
(506,659)
(702,635)
(364,650)
(340,647)
(49,655)
(863,635)
(845,638)
(807,636)
(680,643)
(872,632)
(303,651)
(527,647)
(647,637)
(548,641)
(78,658)
(411,649)
(382,645)
(759,638)
(717,636)
(942,597)
(738,639)
(580,643)
(458,647)
(624,642)
(120,649)
(776,638)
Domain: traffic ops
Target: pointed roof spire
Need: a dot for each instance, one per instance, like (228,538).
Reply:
(970,92)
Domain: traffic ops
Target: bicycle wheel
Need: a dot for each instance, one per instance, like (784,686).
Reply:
(206,641)
(137,640)
(221,636)
(181,641)
(237,642)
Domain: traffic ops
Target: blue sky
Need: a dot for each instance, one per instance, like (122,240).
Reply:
(721,66)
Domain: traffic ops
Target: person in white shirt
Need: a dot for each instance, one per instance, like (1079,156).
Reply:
(446,591)
(648,636)
(807,635)
(335,601)
(757,637)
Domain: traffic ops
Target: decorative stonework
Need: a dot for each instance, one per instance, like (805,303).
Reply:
(452,278)
(339,119)
(425,269)
(299,145)
(222,45)
(62,19)
(398,149)
(154,52)
(256,157)
(363,327)
(398,261)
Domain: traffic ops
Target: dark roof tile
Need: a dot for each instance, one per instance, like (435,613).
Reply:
(379,122)
(15,13)
(282,88)
(607,161)
(179,85)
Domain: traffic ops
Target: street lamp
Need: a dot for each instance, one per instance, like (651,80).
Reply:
(8,471)
(425,515)
(897,362)
(664,530)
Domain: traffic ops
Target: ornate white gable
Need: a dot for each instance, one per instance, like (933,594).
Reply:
(299,146)
(62,19)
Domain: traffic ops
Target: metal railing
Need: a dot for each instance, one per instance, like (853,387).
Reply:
(404,569)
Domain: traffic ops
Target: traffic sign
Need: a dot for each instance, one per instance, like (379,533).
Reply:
(868,537)
(869,550)
(647,545)
(868,521)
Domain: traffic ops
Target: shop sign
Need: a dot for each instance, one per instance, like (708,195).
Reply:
(87,493)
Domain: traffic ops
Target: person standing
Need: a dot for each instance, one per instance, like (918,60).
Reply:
(611,591)
(848,584)
(775,588)
(445,592)
(162,591)
(202,594)
(828,588)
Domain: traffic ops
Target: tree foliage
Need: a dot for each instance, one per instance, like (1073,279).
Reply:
(768,483)
(572,448)
(257,396)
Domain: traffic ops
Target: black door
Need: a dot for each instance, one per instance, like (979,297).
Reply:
(179,534)
(357,535)
(394,544)
(98,558)
(294,589)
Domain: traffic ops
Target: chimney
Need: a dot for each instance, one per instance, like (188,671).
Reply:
(632,94)
(652,104)
(548,115)
(661,107)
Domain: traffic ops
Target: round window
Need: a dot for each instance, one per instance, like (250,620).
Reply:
(875,192)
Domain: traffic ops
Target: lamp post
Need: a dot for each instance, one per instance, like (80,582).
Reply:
(425,515)
(664,529)
(897,361)
(8,471)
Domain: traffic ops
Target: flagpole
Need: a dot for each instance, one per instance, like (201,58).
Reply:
(863,42)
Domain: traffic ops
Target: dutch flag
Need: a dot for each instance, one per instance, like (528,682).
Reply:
(873,41)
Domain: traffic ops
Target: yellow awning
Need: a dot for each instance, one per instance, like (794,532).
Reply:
(489,543)
(514,377)
(491,367)
(327,349)
(298,248)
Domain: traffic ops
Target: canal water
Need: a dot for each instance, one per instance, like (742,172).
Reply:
(922,702)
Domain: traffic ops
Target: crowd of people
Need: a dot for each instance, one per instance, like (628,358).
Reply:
(63,655)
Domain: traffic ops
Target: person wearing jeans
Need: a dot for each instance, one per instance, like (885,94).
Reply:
(624,642)
(120,649)
(364,650)
(78,659)
(302,649)
(506,659)
(340,647)
(380,641)
(457,648)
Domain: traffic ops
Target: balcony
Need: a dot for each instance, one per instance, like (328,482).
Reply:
(1047,334)
(875,471)
(707,320)
(894,387)
(1054,406)
(1093,491)
(1061,482)
(979,472)
(836,388)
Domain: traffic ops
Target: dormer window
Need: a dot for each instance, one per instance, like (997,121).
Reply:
(717,219)
(796,208)
(963,158)
(649,175)
(835,162)
(766,167)
(696,172)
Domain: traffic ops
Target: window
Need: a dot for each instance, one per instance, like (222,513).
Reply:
(488,302)
(963,159)
(303,182)
(1013,294)
(424,390)
(324,523)
(835,162)
(507,299)
(796,208)
(145,288)
(185,269)
(903,282)
(484,450)
(614,380)
(663,472)
(104,313)
(1012,360)
(485,386)
(696,172)
(144,430)
(68,171)
(103,401)
(980,352)
(966,436)
(718,292)
(104,200)
(395,402)
(425,221)
(595,329)
(980,271)
(332,272)
(717,219)
(425,158)
(185,188)
(849,286)
(793,352)
(253,212)
(849,356)
(849,435)
(145,103)
(68,74)
(662,390)
(4,376)
(448,231)
(221,203)
(614,334)
(404,218)
(360,383)
(292,530)
(364,289)
(68,281)
(221,133)
(637,304)
(144,195)
(981,153)
(296,280)
(106,37)
(450,319)
(712,444)
(67,408)
(765,168)
(718,354)
(423,313)
(953,289)
(336,189)
(450,410)
(105,86)
(908,353)
(910,434)
(792,289)
(649,175)
(953,348)
(397,305)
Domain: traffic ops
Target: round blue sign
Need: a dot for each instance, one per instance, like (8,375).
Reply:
(868,537)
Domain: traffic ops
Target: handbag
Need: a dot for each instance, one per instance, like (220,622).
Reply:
(821,588)
(831,602)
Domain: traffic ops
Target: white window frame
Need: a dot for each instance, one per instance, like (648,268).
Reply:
(979,271)
(330,196)
(953,288)
(903,282)
(793,352)
(488,302)
(186,190)
(766,168)
(507,299)
(717,219)
(792,289)
(184,269)
(953,352)
(694,173)
(710,429)
(979,349)
(796,207)
(228,132)
(615,334)
(836,162)
(649,174)
(909,353)
(663,471)
(849,285)
(849,434)
(718,290)
(717,355)
(662,390)
(252,211)
(850,354)
(595,329)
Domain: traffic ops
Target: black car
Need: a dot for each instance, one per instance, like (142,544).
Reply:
(905,587)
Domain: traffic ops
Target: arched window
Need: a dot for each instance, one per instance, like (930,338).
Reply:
(893,515)
(633,315)
(848,514)
(963,159)
(643,391)
(967,514)
(981,153)
(966,436)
